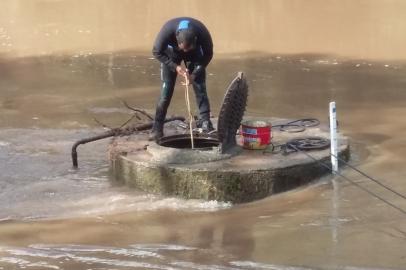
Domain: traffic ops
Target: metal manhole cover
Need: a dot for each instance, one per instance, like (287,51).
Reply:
(232,111)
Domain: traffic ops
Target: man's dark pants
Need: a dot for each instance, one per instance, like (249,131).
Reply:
(168,78)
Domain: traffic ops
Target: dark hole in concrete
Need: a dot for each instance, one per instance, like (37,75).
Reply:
(183,142)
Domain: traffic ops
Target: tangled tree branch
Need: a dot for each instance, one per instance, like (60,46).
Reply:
(101,123)
(143,112)
(116,132)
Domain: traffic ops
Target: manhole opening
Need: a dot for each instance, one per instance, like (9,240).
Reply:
(184,142)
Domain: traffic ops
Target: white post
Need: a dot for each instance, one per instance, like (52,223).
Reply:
(333,137)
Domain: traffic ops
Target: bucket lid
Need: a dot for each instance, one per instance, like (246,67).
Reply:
(232,111)
(256,124)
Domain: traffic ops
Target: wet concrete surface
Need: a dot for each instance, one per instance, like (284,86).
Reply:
(85,221)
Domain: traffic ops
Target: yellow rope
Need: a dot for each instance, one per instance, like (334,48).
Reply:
(189,110)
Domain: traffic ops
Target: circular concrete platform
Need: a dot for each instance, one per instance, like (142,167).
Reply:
(237,176)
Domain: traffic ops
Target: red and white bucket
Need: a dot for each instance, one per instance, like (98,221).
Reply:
(256,134)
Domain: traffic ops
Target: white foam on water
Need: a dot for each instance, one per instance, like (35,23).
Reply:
(32,252)
(123,263)
(80,254)
(160,247)
(27,264)
(4,143)
(137,256)
(134,253)
(59,251)
(68,248)
(114,202)
(323,61)
(191,265)
(263,266)
(13,260)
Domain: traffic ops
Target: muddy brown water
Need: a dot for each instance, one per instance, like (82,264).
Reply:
(57,218)
(53,217)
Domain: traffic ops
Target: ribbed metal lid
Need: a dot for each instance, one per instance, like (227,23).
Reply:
(232,111)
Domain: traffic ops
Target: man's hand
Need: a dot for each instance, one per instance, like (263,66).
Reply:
(190,78)
(181,71)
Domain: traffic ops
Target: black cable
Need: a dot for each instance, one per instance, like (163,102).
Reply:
(306,122)
(298,125)
(349,180)
(370,177)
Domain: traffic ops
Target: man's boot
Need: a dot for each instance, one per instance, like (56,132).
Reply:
(207,126)
(157,132)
